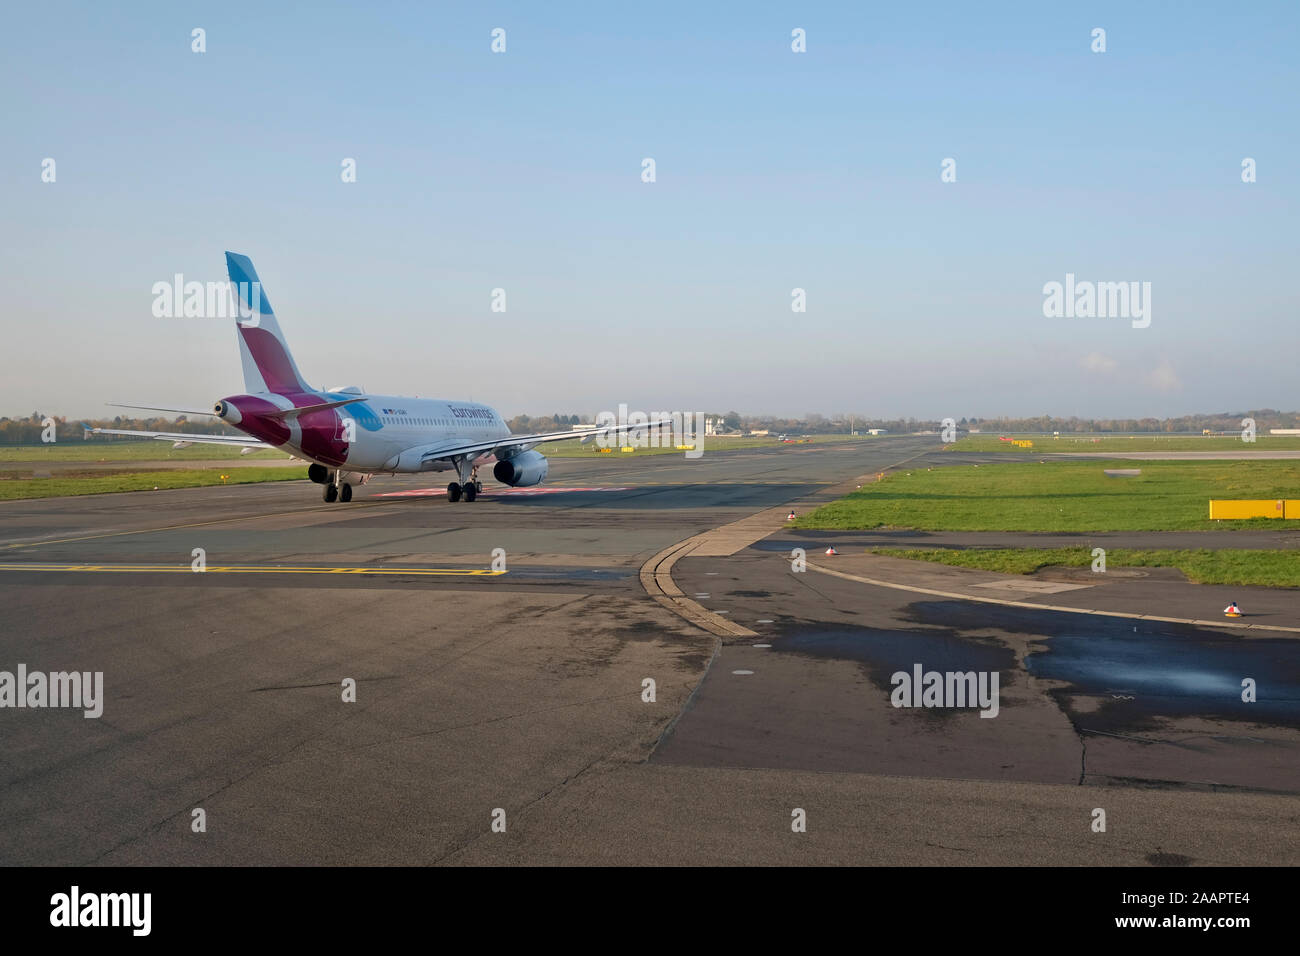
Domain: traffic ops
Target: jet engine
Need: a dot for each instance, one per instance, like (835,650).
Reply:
(526,468)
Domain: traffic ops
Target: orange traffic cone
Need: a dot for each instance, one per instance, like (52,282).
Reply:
(831,550)
(1232,610)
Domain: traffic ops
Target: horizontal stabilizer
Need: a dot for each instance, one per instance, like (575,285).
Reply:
(178,437)
(295,412)
(180,411)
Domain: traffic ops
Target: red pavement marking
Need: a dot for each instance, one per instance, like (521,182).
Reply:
(502,493)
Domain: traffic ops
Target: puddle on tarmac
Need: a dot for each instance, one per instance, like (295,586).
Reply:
(1169,670)
(881,653)
(1138,670)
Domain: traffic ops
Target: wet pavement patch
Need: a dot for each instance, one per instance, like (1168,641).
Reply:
(882,653)
(1143,669)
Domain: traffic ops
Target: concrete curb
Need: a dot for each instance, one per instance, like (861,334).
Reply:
(657,579)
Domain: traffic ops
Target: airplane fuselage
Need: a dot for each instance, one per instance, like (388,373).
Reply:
(380,434)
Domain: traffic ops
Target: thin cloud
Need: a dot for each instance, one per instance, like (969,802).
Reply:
(1163,378)
(1096,362)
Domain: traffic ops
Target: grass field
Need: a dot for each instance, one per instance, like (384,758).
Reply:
(141,481)
(1061,496)
(88,482)
(162,451)
(1123,443)
(127,451)
(572,449)
(1228,566)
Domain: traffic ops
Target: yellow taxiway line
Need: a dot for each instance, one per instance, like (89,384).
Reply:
(40,543)
(246,569)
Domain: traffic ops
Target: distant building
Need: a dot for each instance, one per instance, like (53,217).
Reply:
(877,431)
(1284,431)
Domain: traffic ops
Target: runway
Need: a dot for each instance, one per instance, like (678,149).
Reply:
(500,651)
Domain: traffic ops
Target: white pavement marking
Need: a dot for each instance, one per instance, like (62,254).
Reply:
(499,493)
(1037,587)
(1051,607)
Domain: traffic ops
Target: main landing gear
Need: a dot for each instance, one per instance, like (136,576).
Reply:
(336,490)
(470,488)
(469,491)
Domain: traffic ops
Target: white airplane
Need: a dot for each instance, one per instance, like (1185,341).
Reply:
(348,434)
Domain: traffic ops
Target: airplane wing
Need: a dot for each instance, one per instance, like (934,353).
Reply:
(182,436)
(525,442)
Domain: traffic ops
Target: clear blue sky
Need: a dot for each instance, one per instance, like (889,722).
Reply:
(775,170)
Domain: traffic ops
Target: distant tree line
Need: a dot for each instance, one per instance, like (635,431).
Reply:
(814,423)
(27,431)
(1265,418)
(527,424)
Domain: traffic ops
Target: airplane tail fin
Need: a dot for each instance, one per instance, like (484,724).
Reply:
(268,364)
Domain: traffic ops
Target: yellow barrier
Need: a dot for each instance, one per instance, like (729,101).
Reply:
(1291,508)
(1228,510)
(627,448)
(606,451)
(686,448)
